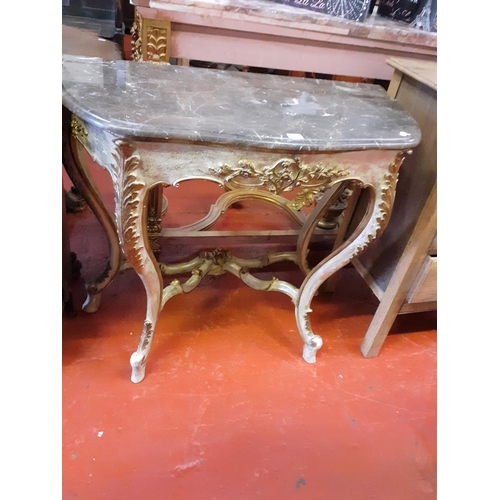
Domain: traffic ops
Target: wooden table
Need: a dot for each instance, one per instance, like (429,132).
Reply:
(292,143)
(401,267)
(264,34)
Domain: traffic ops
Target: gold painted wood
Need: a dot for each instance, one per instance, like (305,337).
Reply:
(284,176)
(150,39)
(155,40)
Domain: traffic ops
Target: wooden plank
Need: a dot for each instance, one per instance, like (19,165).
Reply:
(365,274)
(393,89)
(434,247)
(408,266)
(420,307)
(424,288)
(423,71)
(416,179)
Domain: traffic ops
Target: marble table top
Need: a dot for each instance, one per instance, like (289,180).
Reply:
(146,100)
(374,27)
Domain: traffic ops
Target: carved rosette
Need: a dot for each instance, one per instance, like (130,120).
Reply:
(136,42)
(385,203)
(285,175)
(124,167)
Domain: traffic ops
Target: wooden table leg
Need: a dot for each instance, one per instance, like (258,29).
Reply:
(131,214)
(371,226)
(75,166)
(402,279)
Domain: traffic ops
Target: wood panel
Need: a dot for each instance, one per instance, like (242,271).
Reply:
(416,179)
(424,288)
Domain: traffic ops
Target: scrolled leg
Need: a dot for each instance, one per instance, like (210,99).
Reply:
(131,215)
(370,227)
(74,164)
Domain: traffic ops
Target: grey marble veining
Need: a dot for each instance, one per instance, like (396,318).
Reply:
(131,99)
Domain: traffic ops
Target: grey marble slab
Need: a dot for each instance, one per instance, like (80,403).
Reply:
(135,99)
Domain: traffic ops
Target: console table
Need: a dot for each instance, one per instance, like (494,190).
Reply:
(293,143)
(269,35)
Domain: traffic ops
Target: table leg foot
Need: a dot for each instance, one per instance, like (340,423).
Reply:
(92,302)
(311,347)
(138,358)
(138,363)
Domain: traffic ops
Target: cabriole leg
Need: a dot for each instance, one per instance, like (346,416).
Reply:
(369,228)
(131,215)
(75,166)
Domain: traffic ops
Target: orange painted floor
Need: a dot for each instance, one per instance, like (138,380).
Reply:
(228,409)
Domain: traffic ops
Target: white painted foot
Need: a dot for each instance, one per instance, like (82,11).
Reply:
(309,352)
(92,302)
(138,364)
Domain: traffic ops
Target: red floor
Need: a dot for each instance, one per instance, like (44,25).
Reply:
(228,408)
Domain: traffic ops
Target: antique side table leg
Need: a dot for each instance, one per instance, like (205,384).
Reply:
(371,226)
(131,214)
(78,173)
(144,263)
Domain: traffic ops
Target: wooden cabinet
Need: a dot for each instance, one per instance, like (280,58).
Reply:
(401,266)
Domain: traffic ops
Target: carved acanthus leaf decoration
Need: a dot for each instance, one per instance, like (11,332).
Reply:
(124,169)
(304,199)
(136,42)
(384,205)
(388,192)
(156,44)
(284,176)
(147,333)
(78,130)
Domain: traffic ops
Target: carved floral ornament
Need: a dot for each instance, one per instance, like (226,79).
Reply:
(124,169)
(285,175)
(385,203)
(136,42)
(150,40)
(78,130)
